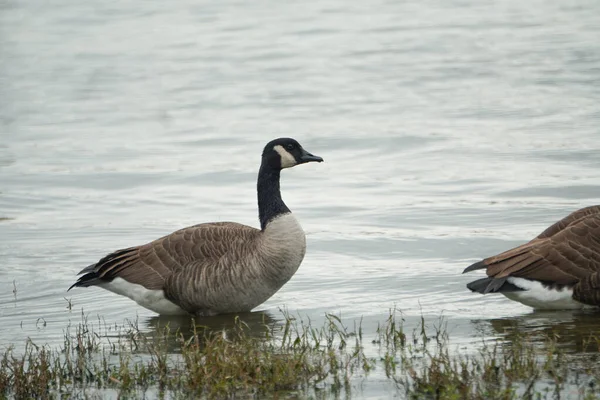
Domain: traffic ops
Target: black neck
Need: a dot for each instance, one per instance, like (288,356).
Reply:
(270,203)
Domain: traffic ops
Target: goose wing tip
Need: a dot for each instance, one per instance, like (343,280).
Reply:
(478,265)
(89,279)
(89,268)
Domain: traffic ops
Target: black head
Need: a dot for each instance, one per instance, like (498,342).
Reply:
(286,153)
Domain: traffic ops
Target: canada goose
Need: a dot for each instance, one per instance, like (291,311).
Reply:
(559,269)
(218,267)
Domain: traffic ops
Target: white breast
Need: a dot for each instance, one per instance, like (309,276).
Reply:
(284,246)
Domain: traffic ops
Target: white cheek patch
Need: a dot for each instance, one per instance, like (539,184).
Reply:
(287,160)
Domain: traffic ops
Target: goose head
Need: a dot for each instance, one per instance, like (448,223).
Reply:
(285,153)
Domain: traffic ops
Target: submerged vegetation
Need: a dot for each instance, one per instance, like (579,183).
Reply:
(293,358)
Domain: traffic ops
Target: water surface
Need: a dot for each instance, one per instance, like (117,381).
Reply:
(450,131)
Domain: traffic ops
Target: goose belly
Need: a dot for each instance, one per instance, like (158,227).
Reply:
(255,285)
(153,300)
(540,297)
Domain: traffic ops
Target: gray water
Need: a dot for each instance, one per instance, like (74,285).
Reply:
(450,131)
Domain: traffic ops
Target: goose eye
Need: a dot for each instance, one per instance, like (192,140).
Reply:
(290,146)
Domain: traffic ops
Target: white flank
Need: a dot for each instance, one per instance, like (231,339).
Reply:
(287,160)
(542,298)
(153,300)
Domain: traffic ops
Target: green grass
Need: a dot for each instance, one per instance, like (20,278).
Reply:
(293,358)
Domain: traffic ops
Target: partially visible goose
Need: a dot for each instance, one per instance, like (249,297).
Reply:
(218,267)
(559,269)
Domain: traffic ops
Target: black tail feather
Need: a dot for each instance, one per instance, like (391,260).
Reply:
(89,268)
(492,285)
(89,279)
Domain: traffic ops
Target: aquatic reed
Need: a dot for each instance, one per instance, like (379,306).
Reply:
(294,357)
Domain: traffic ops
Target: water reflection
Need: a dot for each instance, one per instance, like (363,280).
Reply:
(574,331)
(255,324)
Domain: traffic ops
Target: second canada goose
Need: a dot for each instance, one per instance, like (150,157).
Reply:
(559,269)
(219,267)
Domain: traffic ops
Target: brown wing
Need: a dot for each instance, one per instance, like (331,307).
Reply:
(220,276)
(568,220)
(151,264)
(564,254)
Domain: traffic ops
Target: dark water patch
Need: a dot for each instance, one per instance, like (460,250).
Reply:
(570,192)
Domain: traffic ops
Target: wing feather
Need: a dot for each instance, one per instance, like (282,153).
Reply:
(151,264)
